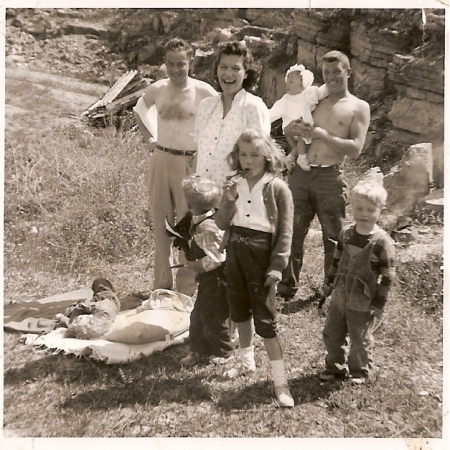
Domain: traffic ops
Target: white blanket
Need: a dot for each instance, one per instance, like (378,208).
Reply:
(100,349)
(161,321)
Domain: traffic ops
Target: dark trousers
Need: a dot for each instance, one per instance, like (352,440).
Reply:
(248,257)
(209,329)
(321,192)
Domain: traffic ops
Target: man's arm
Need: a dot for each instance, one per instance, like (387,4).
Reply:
(351,146)
(147,123)
(146,120)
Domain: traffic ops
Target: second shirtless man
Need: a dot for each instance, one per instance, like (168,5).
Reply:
(341,121)
(176,99)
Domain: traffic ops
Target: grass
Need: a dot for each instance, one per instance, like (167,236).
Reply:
(75,208)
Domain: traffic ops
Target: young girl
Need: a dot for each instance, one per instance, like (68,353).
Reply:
(257,212)
(300,99)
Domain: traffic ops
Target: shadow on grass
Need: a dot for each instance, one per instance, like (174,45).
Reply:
(306,389)
(147,392)
(294,306)
(61,368)
(84,371)
(309,388)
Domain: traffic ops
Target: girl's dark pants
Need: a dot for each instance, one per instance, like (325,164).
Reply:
(248,258)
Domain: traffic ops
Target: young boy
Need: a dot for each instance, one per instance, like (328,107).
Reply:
(209,323)
(360,278)
(300,99)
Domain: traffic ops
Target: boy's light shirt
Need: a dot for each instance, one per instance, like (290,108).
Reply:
(209,240)
(198,219)
(251,211)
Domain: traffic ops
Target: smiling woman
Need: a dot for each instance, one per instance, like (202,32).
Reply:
(221,120)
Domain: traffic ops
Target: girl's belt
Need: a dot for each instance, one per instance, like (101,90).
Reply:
(240,232)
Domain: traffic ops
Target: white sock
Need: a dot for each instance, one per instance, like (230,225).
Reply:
(247,356)
(278,372)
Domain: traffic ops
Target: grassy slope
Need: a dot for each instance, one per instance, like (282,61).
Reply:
(84,192)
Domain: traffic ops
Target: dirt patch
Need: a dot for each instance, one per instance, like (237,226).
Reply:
(63,99)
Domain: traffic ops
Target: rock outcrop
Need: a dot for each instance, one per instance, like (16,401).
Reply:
(397,56)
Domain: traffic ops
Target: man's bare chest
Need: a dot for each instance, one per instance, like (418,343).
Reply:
(176,108)
(336,118)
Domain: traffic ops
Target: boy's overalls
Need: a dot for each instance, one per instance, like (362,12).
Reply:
(349,314)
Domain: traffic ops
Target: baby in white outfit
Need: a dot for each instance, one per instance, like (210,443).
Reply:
(300,100)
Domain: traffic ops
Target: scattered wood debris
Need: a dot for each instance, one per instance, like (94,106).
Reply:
(119,100)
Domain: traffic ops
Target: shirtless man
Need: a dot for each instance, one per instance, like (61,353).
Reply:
(341,121)
(176,99)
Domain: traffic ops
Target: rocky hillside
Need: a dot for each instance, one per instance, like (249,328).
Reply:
(397,56)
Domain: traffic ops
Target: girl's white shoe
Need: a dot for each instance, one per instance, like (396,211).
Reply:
(284,396)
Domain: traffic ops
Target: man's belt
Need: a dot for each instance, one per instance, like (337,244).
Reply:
(176,152)
(326,167)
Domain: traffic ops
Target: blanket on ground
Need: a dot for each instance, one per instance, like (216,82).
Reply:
(100,349)
(38,316)
(161,321)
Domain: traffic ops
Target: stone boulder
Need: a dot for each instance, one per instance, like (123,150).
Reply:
(258,46)
(367,81)
(320,27)
(269,18)
(251,30)
(419,72)
(407,183)
(375,46)
(83,27)
(202,65)
(418,116)
(221,35)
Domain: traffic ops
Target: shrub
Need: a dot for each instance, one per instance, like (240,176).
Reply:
(421,283)
(73,196)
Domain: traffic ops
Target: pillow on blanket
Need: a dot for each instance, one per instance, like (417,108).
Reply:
(147,326)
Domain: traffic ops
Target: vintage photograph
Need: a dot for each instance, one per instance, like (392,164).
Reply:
(224,223)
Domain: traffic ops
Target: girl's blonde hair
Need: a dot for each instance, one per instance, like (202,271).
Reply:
(265,144)
(201,192)
(371,187)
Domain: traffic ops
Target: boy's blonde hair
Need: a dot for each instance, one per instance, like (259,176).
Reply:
(201,192)
(371,187)
(265,144)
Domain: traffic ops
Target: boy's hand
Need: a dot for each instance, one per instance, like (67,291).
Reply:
(270,280)
(289,162)
(190,264)
(376,312)
(327,290)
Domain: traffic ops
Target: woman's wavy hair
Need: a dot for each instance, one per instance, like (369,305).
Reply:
(265,144)
(238,48)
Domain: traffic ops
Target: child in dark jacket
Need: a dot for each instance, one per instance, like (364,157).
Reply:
(257,210)
(360,278)
(209,325)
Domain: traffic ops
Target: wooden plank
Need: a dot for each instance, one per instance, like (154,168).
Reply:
(132,87)
(115,90)
(127,100)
